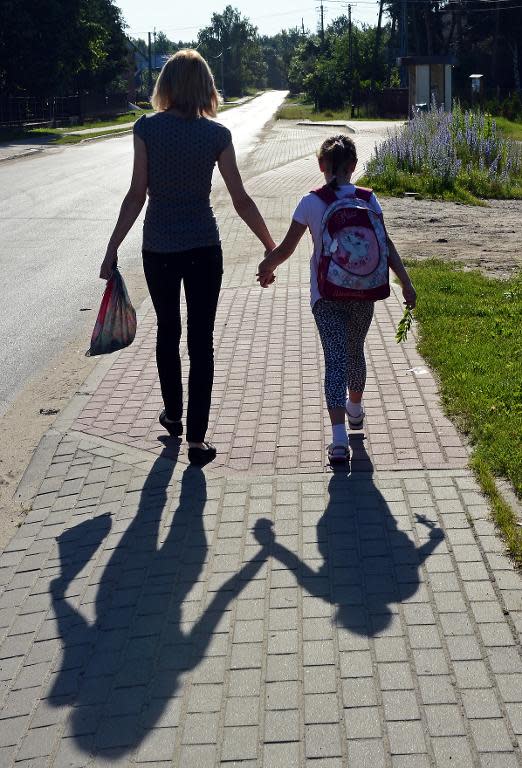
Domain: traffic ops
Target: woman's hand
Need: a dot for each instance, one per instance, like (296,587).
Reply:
(409,294)
(265,272)
(109,263)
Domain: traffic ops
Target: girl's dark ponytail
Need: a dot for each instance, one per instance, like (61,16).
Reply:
(336,152)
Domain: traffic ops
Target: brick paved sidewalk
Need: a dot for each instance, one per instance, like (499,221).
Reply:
(263,611)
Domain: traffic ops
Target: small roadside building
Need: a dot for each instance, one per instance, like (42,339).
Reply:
(429,80)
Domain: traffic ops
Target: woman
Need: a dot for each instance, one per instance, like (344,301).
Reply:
(175,152)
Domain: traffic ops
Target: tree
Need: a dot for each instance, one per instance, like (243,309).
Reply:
(55,47)
(232,47)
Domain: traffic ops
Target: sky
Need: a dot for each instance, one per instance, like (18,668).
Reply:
(269,17)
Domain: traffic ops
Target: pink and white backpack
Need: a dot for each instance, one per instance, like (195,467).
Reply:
(354,259)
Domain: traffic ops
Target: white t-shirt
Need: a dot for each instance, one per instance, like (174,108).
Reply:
(310,213)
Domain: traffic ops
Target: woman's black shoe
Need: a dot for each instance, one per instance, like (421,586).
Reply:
(174,428)
(201,456)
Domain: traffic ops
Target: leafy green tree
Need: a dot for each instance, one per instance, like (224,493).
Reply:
(51,47)
(234,51)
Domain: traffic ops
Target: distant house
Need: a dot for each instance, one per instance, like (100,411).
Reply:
(157,61)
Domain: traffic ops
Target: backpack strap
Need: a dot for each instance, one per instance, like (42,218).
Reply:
(363,193)
(326,194)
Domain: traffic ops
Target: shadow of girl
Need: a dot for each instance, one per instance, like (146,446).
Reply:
(368,562)
(122,671)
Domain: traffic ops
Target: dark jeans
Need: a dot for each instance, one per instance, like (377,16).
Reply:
(200,270)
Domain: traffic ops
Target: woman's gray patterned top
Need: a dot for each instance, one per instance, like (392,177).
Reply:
(181,157)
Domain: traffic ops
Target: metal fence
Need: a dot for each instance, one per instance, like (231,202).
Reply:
(35,110)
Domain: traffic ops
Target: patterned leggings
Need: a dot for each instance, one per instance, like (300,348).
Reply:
(343,326)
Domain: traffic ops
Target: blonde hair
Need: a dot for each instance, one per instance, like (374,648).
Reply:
(186,84)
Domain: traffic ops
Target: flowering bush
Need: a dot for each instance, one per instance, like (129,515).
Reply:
(450,154)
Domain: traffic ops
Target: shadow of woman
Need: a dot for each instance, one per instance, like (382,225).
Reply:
(123,670)
(368,562)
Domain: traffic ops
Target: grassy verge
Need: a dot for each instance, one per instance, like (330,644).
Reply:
(294,109)
(403,183)
(470,334)
(59,136)
(509,129)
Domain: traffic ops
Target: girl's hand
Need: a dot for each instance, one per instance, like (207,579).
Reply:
(265,272)
(109,263)
(409,294)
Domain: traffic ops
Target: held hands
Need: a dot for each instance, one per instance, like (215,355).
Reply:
(265,271)
(109,263)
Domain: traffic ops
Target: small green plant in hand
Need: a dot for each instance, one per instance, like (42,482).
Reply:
(405,324)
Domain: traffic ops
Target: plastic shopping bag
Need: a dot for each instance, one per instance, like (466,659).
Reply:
(115,326)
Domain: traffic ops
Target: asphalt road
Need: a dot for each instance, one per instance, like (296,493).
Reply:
(57,210)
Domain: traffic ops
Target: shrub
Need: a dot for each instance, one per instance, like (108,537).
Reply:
(442,154)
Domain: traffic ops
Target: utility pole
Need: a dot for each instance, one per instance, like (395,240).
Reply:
(350,56)
(350,46)
(150,64)
(155,50)
(377,45)
(302,26)
(404,39)
(322,23)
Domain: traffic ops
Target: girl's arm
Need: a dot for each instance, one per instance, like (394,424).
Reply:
(281,253)
(243,203)
(130,208)
(398,268)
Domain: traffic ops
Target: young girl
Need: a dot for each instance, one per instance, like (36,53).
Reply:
(342,324)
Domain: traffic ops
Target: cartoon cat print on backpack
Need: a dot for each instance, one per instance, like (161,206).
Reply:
(354,260)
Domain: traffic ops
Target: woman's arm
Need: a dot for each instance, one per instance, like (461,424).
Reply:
(281,253)
(243,203)
(130,208)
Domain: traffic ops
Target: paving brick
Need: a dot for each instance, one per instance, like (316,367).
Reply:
(444,720)
(282,726)
(451,751)
(200,728)
(239,743)
(490,736)
(158,744)
(38,742)
(321,708)
(285,755)
(480,703)
(322,741)
(406,738)
(282,695)
(400,705)
(366,753)
(363,723)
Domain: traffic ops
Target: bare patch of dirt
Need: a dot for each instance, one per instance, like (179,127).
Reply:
(479,237)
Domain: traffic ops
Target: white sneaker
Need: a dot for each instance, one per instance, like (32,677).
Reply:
(355,422)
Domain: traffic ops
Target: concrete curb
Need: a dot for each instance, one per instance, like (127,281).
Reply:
(327,124)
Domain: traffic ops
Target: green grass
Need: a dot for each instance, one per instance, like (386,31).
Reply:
(295,109)
(472,189)
(58,135)
(402,182)
(470,334)
(509,129)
